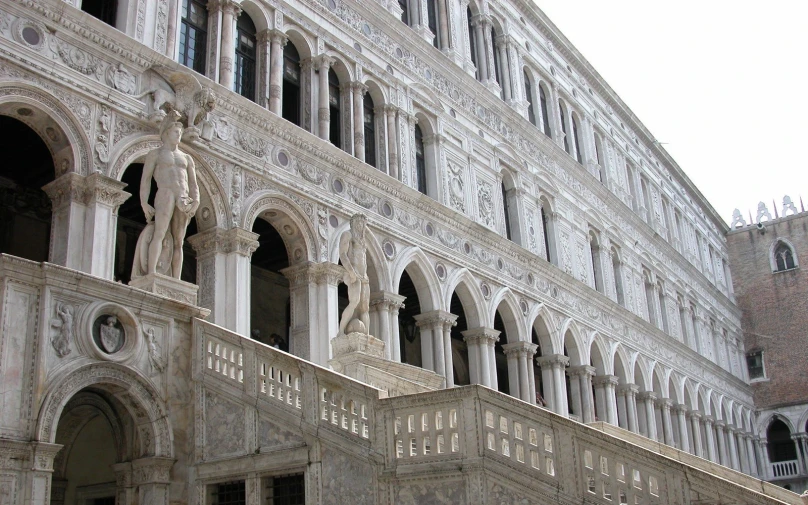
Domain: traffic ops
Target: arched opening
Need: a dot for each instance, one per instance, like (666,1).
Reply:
(632,189)
(369,120)
(623,399)
(104,10)
(130,225)
(646,197)
(270,301)
(540,335)
(562,114)
(599,159)
(548,228)
(783,257)
(420,160)
(576,137)
(500,360)
(409,332)
(780,445)
(473,44)
(531,113)
(571,351)
(663,307)
(194,35)
(460,352)
(643,421)
(334,109)
(291,97)
(650,302)
(545,117)
(506,210)
(97,432)
(25,209)
(499,66)
(594,255)
(617,274)
(245,57)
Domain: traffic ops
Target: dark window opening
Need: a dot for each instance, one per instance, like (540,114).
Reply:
(287,490)
(577,139)
(420,160)
(501,361)
(546,230)
(230,493)
(531,115)
(405,11)
(194,35)
(472,43)
(497,71)
(781,447)
(245,57)
(754,362)
(290,106)
(564,128)
(335,119)
(107,500)
(432,19)
(784,258)
(370,131)
(545,118)
(507,211)
(104,10)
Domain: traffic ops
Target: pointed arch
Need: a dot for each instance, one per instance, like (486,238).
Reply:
(622,364)
(505,302)
(599,355)
(545,328)
(572,338)
(465,285)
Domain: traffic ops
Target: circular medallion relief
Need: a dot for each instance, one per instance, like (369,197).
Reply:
(333,221)
(338,186)
(429,229)
(31,36)
(387,209)
(108,333)
(466,248)
(428,74)
(530,279)
(486,290)
(523,306)
(366,29)
(399,53)
(25,112)
(500,264)
(440,270)
(390,69)
(205,213)
(389,249)
(357,47)
(29,33)
(332,4)
(283,159)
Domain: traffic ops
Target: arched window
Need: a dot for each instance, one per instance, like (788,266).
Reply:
(562,112)
(432,19)
(290,108)
(548,228)
(780,445)
(405,11)
(650,303)
(632,189)
(545,117)
(245,57)
(370,131)
(783,257)
(617,273)
(335,121)
(594,256)
(473,42)
(194,35)
(646,197)
(104,10)
(663,312)
(507,211)
(531,114)
(577,139)
(497,70)
(420,159)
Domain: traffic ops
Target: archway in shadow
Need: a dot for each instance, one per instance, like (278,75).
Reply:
(409,333)
(460,351)
(270,302)
(132,221)
(25,210)
(500,359)
(780,445)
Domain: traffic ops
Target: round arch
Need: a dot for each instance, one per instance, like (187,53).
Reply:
(140,398)
(288,218)
(257,14)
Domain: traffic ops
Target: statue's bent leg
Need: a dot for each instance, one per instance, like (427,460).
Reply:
(163,209)
(353,302)
(179,224)
(364,305)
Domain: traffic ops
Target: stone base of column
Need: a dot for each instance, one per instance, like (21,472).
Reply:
(361,357)
(169,287)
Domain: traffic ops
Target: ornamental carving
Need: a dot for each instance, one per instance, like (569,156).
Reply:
(63,324)
(121,79)
(486,204)
(253,145)
(456,194)
(311,173)
(78,60)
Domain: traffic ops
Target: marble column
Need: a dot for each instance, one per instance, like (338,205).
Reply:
(84,222)
(482,340)
(605,390)
(325,321)
(264,64)
(752,455)
(743,456)
(586,376)
(681,421)
(478,24)
(324,63)
(381,304)
(467,63)
(392,141)
(648,399)
(443,23)
(214,49)
(512,355)
(520,356)
(395,338)
(489,49)
(230,12)
(628,393)
(504,67)
(224,275)
(695,422)
(733,448)
(665,405)
(277,40)
(723,454)
(437,325)
(762,453)
(553,371)
(709,432)
(359,89)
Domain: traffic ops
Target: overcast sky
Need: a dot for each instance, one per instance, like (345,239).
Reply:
(723,83)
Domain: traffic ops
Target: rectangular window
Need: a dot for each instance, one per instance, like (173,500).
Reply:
(754,362)
(230,493)
(285,490)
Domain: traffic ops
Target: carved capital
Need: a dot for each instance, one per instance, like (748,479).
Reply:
(105,190)
(647,395)
(520,349)
(628,390)
(385,300)
(436,318)
(329,273)
(581,371)
(152,470)
(324,62)
(553,361)
(67,189)
(278,37)
(605,380)
(302,274)
(358,88)
(486,336)
(240,241)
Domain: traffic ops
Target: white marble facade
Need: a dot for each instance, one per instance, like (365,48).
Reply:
(594,279)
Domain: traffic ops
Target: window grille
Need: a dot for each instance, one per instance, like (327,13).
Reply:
(286,490)
(230,493)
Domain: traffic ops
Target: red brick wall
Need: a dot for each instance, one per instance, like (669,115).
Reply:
(775,307)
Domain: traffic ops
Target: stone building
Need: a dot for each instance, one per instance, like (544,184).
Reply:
(770,288)
(551,290)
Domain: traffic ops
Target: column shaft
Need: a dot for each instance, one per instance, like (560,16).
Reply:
(359,91)
(277,42)
(392,142)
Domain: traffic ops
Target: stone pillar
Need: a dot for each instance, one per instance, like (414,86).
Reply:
(380,126)
(478,24)
(382,304)
(722,443)
(263,64)
(752,455)
(467,63)
(27,468)
(124,485)
(230,12)
(392,141)
(488,46)
(586,374)
(395,339)
(358,89)
(214,39)
(629,394)
(605,391)
(574,395)
(84,222)
(324,322)
(519,370)
(681,421)
(552,367)
(277,42)
(151,475)
(743,456)
(665,405)
(443,23)
(709,431)
(648,398)
(311,330)
(554,111)
(504,67)
(224,275)
(324,112)
(483,340)
(733,448)
(448,322)
(762,453)
(512,354)
(695,423)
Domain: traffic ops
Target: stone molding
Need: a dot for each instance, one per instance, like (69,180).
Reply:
(153,470)
(521,349)
(553,360)
(481,335)
(436,318)
(604,380)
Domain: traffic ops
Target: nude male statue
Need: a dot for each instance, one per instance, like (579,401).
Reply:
(177,193)
(353,254)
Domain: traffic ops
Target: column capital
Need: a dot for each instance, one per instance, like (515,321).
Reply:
(278,37)
(520,348)
(264,36)
(603,380)
(720,424)
(302,273)
(152,470)
(105,190)
(223,5)
(481,335)
(324,62)
(665,403)
(436,318)
(695,414)
(708,419)
(628,389)
(647,395)
(217,240)
(552,360)
(66,189)
(387,300)
(581,370)
(392,109)
(358,87)
(680,408)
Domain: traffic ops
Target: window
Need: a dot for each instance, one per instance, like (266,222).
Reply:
(194,35)
(531,115)
(754,363)
(548,227)
(432,19)
(230,493)
(562,112)
(506,209)
(545,118)
(245,57)
(405,11)
(104,10)
(286,490)
(617,271)
(290,107)
(682,318)
(632,188)
(663,307)
(649,298)
(335,121)
(577,139)
(594,254)
(783,257)
(599,159)
(497,70)
(473,45)
(370,130)
(420,159)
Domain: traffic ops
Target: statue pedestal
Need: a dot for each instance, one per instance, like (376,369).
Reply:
(361,356)
(169,287)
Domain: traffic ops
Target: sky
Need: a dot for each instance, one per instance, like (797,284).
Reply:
(723,84)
